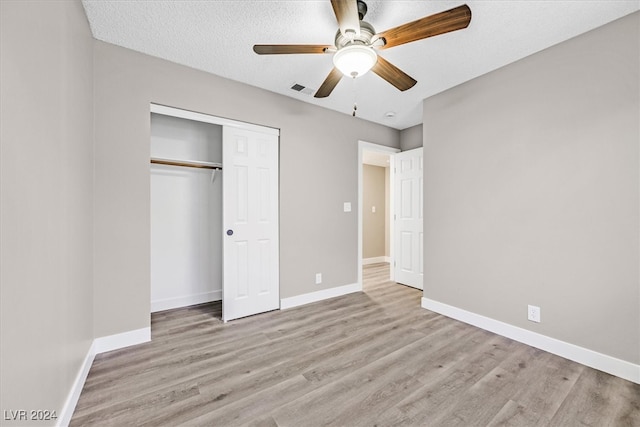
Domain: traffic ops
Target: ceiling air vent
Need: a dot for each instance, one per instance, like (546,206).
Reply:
(302,89)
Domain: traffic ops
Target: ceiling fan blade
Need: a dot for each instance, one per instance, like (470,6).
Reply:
(279,49)
(329,84)
(429,26)
(347,15)
(393,74)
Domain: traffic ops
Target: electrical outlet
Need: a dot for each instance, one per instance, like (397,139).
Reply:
(533,313)
(318,278)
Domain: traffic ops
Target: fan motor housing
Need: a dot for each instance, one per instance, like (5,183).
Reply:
(366,35)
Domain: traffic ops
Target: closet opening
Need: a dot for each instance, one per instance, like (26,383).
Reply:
(186,217)
(214,246)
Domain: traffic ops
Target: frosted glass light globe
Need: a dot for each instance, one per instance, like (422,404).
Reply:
(355,60)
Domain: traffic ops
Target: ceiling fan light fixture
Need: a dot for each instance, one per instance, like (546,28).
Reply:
(355,60)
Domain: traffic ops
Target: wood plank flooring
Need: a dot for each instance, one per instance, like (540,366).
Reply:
(373,358)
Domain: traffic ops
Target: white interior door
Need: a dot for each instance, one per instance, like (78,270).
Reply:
(408,218)
(250,218)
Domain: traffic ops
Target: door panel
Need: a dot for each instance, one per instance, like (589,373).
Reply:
(405,251)
(242,254)
(241,193)
(408,219)
(406,210)
(250,217)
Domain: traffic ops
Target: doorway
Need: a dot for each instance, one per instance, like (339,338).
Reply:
(375,214)
(186,212)
(403,210)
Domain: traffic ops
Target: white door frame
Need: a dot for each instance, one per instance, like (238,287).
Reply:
(369,146)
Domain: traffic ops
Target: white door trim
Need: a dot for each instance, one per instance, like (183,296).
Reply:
(369,146)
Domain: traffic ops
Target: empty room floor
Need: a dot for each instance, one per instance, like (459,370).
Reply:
(369,358)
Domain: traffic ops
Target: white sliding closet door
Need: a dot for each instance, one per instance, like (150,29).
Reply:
(250,218)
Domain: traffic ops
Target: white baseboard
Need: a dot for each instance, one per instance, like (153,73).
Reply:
(611,365)
(99,345)
(375,260)
(76,388)
(319,295)
(125,339)
(184,301)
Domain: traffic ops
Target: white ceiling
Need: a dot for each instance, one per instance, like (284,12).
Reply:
(217,36)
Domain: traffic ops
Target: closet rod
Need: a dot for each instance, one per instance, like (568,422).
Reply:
(187,163)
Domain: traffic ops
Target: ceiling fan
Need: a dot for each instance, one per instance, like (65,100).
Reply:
(357,43)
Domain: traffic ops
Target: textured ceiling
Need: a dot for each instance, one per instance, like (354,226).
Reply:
(217,37)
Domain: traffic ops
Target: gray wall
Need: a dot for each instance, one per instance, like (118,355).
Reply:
(411,138)
(532,192)
(46,201)
(373,224)
(318,172)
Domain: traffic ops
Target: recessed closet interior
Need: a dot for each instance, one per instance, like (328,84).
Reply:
(186,212)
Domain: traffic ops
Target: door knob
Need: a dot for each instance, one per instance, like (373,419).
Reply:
(229,232)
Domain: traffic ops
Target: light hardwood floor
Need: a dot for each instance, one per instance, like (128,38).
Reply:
(365,359)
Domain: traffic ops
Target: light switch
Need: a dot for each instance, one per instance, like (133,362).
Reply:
(347,206)
(373,209)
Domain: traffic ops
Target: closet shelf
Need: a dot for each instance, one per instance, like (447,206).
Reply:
(187,163)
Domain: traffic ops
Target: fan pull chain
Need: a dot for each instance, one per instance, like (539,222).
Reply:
(355,93)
